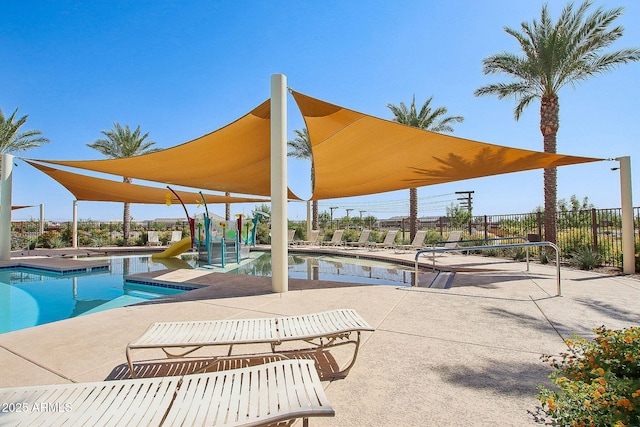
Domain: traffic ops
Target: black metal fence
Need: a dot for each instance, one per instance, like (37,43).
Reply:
(598,230)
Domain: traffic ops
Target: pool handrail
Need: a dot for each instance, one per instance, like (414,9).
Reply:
(505,246)
(488,239)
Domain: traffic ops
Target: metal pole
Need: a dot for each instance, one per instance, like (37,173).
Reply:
(41,230)
(5,207)
(279,277)
(628,243)
(309,219)
(74,232)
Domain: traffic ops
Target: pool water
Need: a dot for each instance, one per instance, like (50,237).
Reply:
(31,297)
(333,268)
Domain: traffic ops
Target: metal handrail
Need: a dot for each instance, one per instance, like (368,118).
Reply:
(488,239)
(506,246)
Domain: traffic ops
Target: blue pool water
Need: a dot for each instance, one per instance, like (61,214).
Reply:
(31,297)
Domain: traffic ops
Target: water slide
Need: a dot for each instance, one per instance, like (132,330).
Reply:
(175,249)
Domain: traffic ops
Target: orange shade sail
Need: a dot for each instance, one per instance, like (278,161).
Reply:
(355,154)
(90,188)
(234,159)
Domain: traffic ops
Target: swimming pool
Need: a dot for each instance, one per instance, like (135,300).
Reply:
(31,297)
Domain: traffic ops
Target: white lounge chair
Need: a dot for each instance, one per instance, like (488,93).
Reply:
(362,241)
(417,243)
(453,239)
(176,236)
(319,331)
(336,239)
(388,242)
(312,238)
(290,235)
(153,238)
(256,395)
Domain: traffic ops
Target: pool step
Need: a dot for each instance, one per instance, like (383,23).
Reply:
(443,280)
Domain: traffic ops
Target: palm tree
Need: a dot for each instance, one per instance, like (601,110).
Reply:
(301,149)
(427,119)
(119,143)
(14,141)
(555,55)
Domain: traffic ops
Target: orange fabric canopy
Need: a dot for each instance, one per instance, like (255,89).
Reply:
(103,190)
(234,159)
(355,154)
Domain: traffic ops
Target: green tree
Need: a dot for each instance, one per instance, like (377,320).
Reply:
(301,149)
(14,141)
(458,216)
(118,143)
(434,120)
(555,55)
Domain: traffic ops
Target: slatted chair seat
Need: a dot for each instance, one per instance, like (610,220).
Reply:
(252,396)
(318,331)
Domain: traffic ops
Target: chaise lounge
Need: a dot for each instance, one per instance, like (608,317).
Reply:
(362,241)
(258,395)
(318,332)
(388,242)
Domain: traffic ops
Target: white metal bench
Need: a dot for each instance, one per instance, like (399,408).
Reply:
(258,395)
(319,331)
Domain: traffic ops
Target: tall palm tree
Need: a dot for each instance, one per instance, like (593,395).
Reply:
(428,119)
(118,143)
(555,55)
(301,149)
(14,141)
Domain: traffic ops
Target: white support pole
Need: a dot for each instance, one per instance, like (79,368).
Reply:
(5,207)
(279,275)
(309,219)
(74,232)
(628,232)
(41,229)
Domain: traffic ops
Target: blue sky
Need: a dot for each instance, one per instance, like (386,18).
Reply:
(183,69)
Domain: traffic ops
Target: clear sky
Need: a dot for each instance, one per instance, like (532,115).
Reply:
(181,69)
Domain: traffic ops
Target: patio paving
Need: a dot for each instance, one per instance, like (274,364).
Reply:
(466,355)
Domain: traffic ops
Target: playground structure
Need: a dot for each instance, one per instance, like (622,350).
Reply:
(221,242)
(217,242)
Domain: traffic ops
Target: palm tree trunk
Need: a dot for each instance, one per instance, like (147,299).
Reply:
(126,218)
(227,208)
(314,215)
(549,125)
(413,212)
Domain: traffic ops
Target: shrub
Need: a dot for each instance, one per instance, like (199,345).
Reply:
(517,254)
(56,242)
(598,381)
(433,237)
(377,236)
(585,259)
(351,235)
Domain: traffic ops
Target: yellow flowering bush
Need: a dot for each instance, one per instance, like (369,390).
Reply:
(598,382)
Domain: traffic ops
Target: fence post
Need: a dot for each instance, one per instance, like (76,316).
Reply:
(539,221)
(594,229)
(486,228)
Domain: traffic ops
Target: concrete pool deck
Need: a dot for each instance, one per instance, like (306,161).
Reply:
(466,355)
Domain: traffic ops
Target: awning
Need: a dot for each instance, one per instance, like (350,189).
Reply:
(234,159)
(90,188)
(355,154)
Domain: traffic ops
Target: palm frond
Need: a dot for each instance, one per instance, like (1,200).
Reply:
(14,141)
